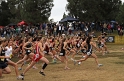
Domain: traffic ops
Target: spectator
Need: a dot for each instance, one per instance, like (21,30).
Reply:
(109,28)
(121,33)
(86,30)
(119,28)
(104,27)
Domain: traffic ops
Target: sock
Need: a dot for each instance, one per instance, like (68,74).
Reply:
(44,66)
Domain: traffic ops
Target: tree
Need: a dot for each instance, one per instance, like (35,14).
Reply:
(109,9)
(51,20)
(64,16)
(93,10)
(4,14)
(73,7)
(32,11)
(120,16)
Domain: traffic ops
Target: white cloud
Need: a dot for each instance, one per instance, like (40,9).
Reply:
(58,9)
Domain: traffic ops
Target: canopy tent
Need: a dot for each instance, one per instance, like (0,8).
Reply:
(12,24)
(1,26)
(22,23)
(68,19)
(113,21)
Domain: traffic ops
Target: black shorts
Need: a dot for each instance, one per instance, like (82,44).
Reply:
(62,53)
(28,52)
(77,45)
(102,45)
(45,52)
(3,65)
(68,49)
(89,53)
(51,48)
(83,51)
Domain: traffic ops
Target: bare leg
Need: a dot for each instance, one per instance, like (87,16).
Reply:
(45,61)
(66,62)
(6,70)
(15,66)
(1,72)
(86,57)
(29,67)
(58,58)
(96,59)
(73,54)
(22,60)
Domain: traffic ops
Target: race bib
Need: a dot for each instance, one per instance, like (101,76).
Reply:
(10,55)
(61,54)
(29,50)
(88,53)
(2,59)
(37,55)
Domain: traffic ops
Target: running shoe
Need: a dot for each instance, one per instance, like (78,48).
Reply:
(34,67)
(79,63)
(75,62)
(42,73)
(66,68)
(100,65)
(54,61)
(19,68)
(20,77)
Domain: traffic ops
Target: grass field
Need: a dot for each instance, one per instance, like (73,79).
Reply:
(112,69)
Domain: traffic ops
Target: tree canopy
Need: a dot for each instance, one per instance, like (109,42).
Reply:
(120,16)
(93,10)
(5,14)
(36,11)
(31,11)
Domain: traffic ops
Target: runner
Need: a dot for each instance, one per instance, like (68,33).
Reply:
(89,44)
(63,53)
(8,53)
(27,49)
(37,56)
(4,69)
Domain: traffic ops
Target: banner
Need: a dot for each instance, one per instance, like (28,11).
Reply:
(110,39)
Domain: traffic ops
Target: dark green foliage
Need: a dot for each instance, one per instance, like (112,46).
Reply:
(36,11)
(31,11)
(93,10)
(120,16)
(4,14)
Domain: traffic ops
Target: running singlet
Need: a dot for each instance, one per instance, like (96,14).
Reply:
(89,50)
(28,51)
(37,56)
(2,54)
(46,50)
(3,63)
(62,52)
(8,52)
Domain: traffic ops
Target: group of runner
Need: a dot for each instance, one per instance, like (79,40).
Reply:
(34,49)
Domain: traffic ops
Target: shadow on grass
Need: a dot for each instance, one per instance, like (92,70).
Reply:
(119,62)
(82,80)
(120,55)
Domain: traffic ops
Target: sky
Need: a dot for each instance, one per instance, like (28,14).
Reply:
(59,9)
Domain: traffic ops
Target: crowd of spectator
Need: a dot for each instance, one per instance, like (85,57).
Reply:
(49,29)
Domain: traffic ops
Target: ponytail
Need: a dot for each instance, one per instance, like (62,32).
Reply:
(88,40)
